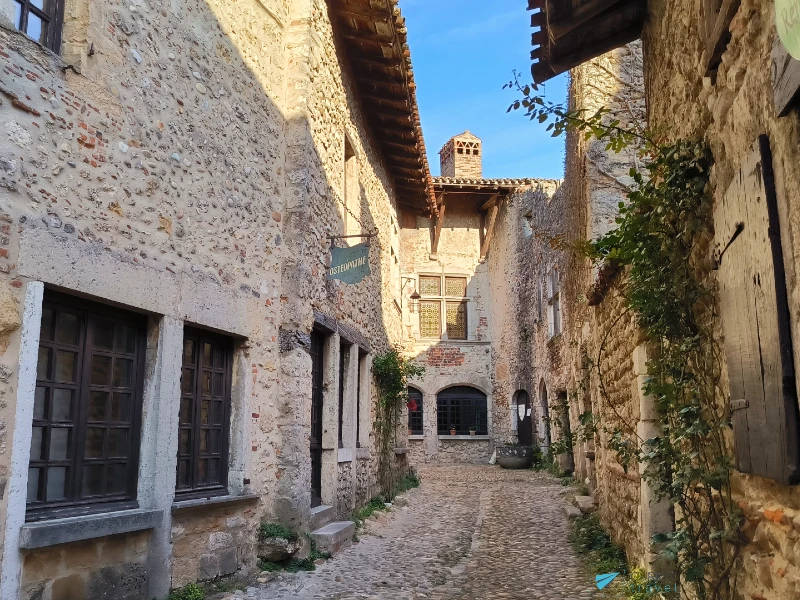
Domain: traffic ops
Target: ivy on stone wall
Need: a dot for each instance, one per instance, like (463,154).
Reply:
(392,372)
(660,243)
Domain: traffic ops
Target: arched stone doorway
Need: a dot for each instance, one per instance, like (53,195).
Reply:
(524,419)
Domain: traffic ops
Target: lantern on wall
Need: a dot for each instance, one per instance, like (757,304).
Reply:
(413,305)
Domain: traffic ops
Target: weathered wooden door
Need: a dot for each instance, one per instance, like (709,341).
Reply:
(317,347)
(755,319)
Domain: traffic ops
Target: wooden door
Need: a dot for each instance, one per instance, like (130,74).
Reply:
(755,322)
(317,347)
(524,419)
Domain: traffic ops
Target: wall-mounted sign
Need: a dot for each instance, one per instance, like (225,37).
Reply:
(787,16)
(350,265)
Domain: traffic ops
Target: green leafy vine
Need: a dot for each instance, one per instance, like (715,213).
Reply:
(660,245)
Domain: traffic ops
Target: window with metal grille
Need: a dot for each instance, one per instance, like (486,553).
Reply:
(203,431)
(40,20)
(443,296)
(415,416)
(461,408)
(87,408)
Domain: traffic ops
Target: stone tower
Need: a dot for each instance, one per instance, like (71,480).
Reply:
(461,157)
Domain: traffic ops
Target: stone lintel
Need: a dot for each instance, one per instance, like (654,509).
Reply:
(76,529)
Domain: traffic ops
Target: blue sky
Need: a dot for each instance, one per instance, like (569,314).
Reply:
(463,51)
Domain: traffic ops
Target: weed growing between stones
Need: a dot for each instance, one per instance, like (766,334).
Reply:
(274,530)
(295,565)
(188,592)
(362,514)
(660,247)
(591,541)
(410,481)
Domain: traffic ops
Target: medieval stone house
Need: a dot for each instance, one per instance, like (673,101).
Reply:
(715,71)
(175,366)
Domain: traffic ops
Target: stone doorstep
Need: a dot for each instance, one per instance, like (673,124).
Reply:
(334,536)
(321,516)
(586,504)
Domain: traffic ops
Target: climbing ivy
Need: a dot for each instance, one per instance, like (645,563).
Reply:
(659,242)
(392,372)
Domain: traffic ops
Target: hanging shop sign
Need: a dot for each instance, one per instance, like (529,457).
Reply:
(350,265)
(787,17)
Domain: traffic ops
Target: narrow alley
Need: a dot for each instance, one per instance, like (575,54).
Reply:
(468,533)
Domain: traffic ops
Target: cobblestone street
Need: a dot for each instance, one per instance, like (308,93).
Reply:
(469,533)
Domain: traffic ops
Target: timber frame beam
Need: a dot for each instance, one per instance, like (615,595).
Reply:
(490,224)
(437,232)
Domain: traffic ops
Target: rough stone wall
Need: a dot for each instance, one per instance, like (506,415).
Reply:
(212,544)
(204,141)
(464,452)
(109,569)
(344,492)
(730,112)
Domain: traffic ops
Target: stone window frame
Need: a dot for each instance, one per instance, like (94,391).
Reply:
(47,259)
(555,323)
(417,395)
(443,299)
(52,12)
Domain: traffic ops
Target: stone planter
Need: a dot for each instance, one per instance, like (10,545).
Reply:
(453,432)
(515,457)
(472,432)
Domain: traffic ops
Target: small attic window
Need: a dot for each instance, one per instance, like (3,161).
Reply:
(461,151)
(468,151)
(476,152)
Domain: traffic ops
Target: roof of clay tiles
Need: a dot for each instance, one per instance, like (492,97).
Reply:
(373,36)
(488,184)
(570,32)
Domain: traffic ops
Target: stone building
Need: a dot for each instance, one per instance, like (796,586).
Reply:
(174,365)
(466,288)
(719,73)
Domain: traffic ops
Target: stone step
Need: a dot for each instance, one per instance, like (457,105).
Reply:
(334,536)
(321,516)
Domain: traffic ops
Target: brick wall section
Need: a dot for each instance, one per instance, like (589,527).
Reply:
(443,356)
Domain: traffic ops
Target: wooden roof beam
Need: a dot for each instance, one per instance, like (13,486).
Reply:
(487,238)
(358,35)
(363,13)
(382,96)
(582,15)
(490,202)
(386,62)
(437,232)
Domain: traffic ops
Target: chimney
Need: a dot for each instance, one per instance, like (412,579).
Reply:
(461,157)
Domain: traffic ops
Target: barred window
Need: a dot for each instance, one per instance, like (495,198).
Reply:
(443,297)
(463,409)
(204,414)
(40,20)
(415,416)
(87,408)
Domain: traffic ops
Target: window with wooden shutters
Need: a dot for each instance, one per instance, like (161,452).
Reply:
(716,22)
(755,320)
(87,409)
(203,429)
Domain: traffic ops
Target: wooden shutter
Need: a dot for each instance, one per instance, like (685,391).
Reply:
(717,17)
(755,319)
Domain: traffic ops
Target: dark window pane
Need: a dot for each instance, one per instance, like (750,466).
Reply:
(46,334)
(219,385)
(59,442)
(204,412)
(206,384)
(188,351)
(216,413)
(183,474)
(202,476)
(206,354)
(213,471)
(97,406)
(117,478)
(66,365)
(67,329)
(123,373)
(120,407)
(56,483)
(94,442)
(187,381)
(43,366)
(125,340)
(39,402)
(37,438)
(92,480)
(101,370)
(186,410)
(213,441)
(185,444)
(62,405)
(117,446)
(34,481)
(204,441)
(103,335)
(219,358)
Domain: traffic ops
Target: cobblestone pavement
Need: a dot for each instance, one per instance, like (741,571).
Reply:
(469,533)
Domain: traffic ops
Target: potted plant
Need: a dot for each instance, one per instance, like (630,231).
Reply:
(473,430)
(410,431)
(453,429)
(513,456)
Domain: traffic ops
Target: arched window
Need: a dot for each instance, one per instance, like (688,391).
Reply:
(461,408)
(415,416)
